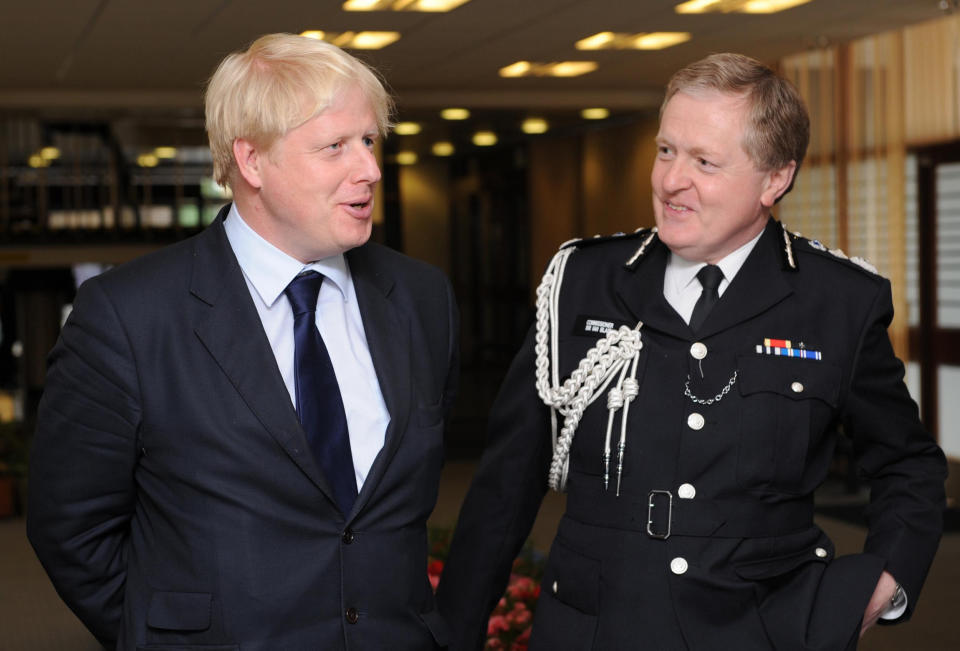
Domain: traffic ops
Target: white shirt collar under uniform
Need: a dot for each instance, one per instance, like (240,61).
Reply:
(681,287)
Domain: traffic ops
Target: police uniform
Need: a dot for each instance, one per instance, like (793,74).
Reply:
(709,540)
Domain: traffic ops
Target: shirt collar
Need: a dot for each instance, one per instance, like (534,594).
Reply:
(268,268)
(682,272)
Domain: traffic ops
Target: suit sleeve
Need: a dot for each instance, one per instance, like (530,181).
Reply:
(905,467)
(500,506)
(452,384)
(82,463)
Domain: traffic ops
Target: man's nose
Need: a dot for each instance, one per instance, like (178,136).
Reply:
(366,169)
(676,176)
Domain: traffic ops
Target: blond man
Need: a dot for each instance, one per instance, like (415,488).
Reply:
(241,435)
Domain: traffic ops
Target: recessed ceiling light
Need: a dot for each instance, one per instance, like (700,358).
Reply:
(534,125)
(442,148)
(484,138)
(403,5)
(147,160)
(455,114)
(407,128)
(555,69)
(518,69)
(595,113)
(641,41)
(738,6)
(406,158)
(351,40)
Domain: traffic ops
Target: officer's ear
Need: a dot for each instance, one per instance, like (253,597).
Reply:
(776,183)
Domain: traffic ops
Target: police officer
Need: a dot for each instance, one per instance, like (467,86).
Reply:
(685,386)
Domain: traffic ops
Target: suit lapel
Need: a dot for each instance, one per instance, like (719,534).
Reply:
(387,328)
(233,334)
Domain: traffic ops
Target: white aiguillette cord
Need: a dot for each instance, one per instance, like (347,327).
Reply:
(614,356)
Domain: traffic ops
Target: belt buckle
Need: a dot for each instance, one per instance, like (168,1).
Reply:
(651,497)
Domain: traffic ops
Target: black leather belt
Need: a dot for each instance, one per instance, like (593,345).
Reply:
(660,514)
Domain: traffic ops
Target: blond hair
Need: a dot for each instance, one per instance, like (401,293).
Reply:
(778,127)
(279,82)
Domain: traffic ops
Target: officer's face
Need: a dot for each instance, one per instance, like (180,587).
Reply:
(709,198)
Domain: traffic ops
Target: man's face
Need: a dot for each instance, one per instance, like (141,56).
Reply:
(709,198)
(316,182)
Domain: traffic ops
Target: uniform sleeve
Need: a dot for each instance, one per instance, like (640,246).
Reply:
(500,506)
(905,467)
(81,473)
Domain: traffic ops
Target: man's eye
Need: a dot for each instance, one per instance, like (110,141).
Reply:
(335,146)
(369,142)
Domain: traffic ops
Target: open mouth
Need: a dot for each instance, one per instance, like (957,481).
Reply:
(676,208)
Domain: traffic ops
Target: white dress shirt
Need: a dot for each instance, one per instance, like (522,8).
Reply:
(682,288)
(268,271)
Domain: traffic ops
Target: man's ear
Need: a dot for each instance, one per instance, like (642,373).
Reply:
(249,160)
(777,183)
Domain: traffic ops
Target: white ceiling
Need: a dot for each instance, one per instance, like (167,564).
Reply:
(140,54)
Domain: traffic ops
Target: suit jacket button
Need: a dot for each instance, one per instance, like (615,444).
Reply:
(352,615)
(347,537)
(695,421)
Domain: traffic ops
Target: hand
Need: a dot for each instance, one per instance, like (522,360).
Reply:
(879,602)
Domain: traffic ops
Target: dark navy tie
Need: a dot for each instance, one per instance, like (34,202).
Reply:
(709,277)
(319,404)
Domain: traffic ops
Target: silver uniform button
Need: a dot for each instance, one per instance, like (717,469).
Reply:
(820,552)
(555,586)
(686,491)
(679,565)
(796,387)
(695,421)
(698,350)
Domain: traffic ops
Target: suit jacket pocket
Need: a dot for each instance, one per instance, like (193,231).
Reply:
(569,603)
(180,611)
(438,627)
(429,415)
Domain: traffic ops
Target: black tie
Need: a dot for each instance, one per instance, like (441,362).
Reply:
(709,277)
(319,404)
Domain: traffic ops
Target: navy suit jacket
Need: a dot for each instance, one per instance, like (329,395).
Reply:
(174,501)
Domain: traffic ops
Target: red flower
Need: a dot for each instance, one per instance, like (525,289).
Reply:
(497,624)
(435,568)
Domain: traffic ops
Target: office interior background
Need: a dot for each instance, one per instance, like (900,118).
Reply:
(521,124)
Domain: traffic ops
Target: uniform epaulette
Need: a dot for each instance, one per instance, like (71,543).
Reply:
(597,239)
(818,248)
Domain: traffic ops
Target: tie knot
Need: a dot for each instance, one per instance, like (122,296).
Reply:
(710,277)
(302,292)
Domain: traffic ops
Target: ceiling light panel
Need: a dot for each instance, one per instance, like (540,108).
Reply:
(738,6)
(554,69)
(351,40)
(641,41)
(432,6)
